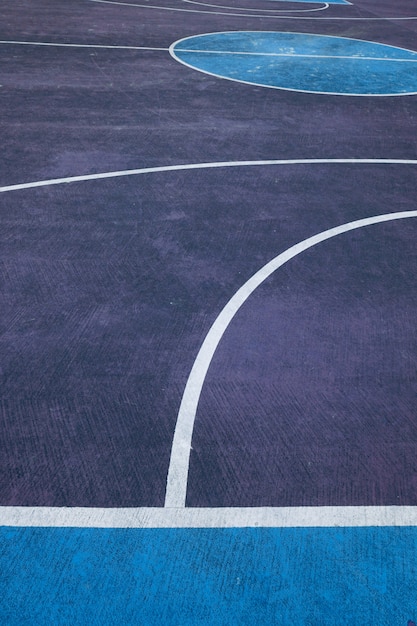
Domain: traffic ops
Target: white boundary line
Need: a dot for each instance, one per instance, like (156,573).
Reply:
(177,45)
(199,11)
(78,45)
(262,16)
(200,166)
(285,517)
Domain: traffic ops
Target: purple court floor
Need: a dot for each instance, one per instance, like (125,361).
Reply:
(208,261)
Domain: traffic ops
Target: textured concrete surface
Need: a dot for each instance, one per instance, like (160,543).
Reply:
(109,286)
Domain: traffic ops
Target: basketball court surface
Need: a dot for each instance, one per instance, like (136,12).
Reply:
(208,312)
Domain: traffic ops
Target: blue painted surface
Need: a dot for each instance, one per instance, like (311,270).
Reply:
(321,577)
(303,62)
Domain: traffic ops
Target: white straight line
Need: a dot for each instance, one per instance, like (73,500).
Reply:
(199,166)
(176,491)
(296,56)
(262,16)
(79,45)
(285,517)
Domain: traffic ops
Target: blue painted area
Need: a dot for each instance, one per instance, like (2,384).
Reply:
(320,577)
(302,62)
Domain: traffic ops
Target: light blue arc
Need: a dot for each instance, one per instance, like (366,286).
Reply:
(302,62)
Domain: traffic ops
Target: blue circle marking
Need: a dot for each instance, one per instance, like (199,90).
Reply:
(302,62)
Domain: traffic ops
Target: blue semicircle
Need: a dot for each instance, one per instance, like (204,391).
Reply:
(302,62)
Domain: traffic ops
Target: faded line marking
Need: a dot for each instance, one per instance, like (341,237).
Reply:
(181,448)
(79,45)
(285,517)
(275,17)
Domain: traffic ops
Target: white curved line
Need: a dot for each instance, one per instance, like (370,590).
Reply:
(377,44)
(275,17)
(325,6)
(292,89)
(221,6)
(199,166)
(176,491)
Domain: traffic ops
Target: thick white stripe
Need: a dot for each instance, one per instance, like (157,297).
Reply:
(307,517)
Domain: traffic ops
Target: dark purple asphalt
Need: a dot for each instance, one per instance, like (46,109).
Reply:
(311,399)
(108,288)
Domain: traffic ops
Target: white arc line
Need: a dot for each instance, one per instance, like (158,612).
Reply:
(176,491)
(262,16)
(284,517)
(218,6)
(199,166)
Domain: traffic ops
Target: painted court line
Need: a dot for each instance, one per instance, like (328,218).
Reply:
(221,6)
(227,52)
(200,166)
(296,56)
(198,11)
(285,517)
(181,448)
(79,45)
(263,16)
